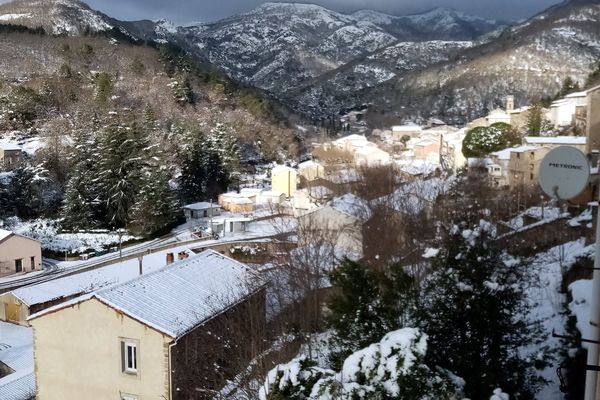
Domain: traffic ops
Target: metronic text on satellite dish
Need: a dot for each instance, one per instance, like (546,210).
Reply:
(566,166)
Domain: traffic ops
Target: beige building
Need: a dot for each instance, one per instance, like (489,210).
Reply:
(340,222)
(524,165)
(10,155)
(284,180)
(412,131)
(371,156)
(19,253)
(311,170)
(593,120)
(156,337)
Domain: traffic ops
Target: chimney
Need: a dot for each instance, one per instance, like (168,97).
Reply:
(170,258)
(510,103)
(140,258)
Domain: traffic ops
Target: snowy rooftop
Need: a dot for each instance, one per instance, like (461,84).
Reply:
(4,234)
(572,140)
(282,168)
(17,353)
(309,164)
(502,154)
(87,282)
(406,128)
(181,296)
(351,138)
(523,149)
(352,205)
(203,205)
(9,147)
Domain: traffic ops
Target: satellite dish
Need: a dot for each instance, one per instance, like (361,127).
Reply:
(564,173)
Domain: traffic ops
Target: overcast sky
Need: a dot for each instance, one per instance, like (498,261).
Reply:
(186,11)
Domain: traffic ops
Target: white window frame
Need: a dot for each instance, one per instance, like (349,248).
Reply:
(128,365)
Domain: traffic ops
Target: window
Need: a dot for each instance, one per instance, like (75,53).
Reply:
(32,263)
(129,356)
(128,396)
(19,265)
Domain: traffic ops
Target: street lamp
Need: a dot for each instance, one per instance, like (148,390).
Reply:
(120,233)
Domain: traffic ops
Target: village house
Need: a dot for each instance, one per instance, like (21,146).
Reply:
(17,305)
(226,226)
(10,156)
(284,180)
(498,167)
(371,156)
(19,253)
(427,150)
(310,170)
(177,333)
(340,222)
(524,165)
(201,210)
(563,111)
(236,203)
(411,130)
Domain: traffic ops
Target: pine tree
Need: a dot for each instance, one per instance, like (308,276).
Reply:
(223,141)
(26,190)
(474,309)
(120,168)
(81,204)
(367,305)
(192,181)
(534,119)
(182,89)
(155,206)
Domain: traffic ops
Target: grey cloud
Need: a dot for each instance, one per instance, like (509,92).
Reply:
(184,11)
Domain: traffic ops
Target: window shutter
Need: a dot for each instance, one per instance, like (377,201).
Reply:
(123,357)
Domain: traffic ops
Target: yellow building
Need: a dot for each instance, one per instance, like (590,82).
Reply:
(283,180)
(131,341)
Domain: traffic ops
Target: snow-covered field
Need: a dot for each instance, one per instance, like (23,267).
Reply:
(46,231)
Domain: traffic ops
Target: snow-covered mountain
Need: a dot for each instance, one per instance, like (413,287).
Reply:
(528,60)
(58,17)
(288,48)
(319,62)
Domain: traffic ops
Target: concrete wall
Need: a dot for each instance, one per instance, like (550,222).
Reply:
(13,310)
(523,168)
(284,181)
(338,228)
(78,355)
(312,171)
(17,247)
(593,121)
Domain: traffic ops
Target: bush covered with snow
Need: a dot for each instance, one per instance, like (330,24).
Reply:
(484,140)
(392,368)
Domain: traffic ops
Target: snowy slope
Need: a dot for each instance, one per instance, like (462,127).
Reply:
(70,17)
(287,48)
(529,60)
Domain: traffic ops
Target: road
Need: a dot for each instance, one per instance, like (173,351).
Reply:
(51,271)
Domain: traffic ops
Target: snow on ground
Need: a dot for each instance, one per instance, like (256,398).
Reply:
(46,231)
(545,294)
(16,351)
(10,17)
(580,306)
